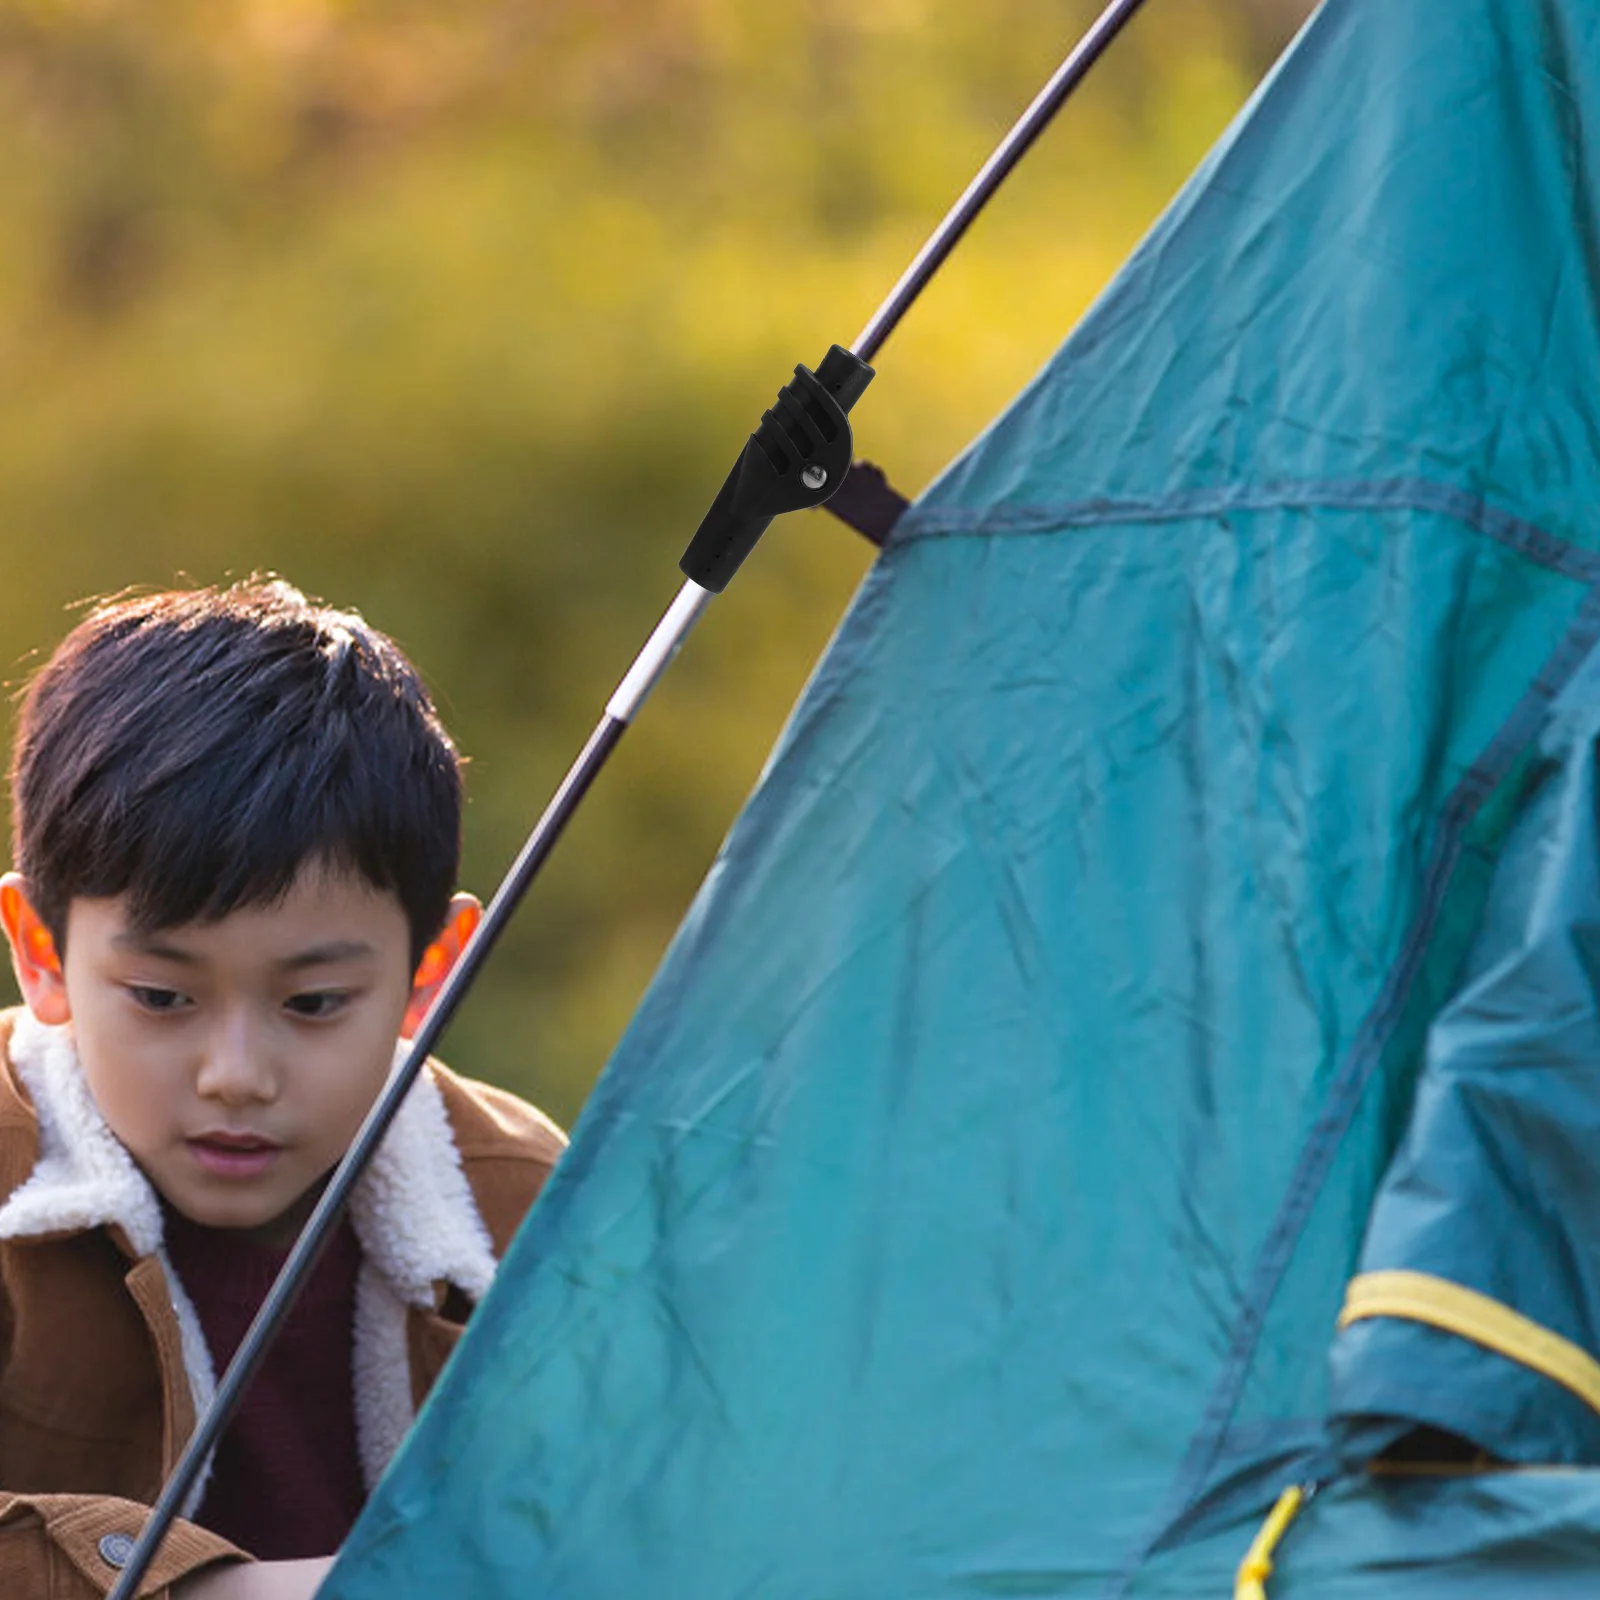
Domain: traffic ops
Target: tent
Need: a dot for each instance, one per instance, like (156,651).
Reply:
(970,1207)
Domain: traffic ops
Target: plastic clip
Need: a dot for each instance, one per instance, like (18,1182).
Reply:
(796,458)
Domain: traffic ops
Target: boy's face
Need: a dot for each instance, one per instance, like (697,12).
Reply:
(235,1059)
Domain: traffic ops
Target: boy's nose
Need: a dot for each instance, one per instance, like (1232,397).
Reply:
(237,1067)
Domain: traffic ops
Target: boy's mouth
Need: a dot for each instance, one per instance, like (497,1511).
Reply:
(233,1155)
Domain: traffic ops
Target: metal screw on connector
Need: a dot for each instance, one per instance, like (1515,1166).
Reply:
(813,477)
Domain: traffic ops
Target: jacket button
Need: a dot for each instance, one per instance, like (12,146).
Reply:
(115,1548)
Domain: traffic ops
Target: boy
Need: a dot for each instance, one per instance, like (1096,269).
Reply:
(236,832)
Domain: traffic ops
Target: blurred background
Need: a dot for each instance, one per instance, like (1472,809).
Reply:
(458,314)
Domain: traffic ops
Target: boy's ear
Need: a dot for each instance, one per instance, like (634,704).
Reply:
(33,953)
(466,912)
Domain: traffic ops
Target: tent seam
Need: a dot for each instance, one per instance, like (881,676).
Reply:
(1399,494)
(1349,1084)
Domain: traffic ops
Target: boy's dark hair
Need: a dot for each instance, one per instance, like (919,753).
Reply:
(194,750)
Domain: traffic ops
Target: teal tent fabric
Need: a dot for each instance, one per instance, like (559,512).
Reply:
(969,1206)
(1496,1185)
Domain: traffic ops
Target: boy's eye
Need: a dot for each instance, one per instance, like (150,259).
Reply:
(317,1004)
(151,997)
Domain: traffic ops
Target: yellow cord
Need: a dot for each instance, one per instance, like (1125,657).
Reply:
(1256,1567)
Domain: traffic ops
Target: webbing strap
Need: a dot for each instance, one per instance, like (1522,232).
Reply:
(1421,1297)
(868,502)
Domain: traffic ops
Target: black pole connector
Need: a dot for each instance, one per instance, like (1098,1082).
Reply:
(796,458)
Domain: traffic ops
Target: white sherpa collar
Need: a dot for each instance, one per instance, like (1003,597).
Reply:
(413,1210)
(84,1178)
(413,1213)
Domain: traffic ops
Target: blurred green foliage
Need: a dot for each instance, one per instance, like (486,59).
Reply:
(458,314)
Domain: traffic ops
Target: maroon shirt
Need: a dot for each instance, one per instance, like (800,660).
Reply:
(286,1481)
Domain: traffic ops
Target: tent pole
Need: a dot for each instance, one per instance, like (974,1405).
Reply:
(843,375)
(992,174)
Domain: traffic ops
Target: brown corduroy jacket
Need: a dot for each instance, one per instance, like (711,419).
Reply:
(103,1366)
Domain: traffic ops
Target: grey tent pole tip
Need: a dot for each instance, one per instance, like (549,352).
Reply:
(648,667)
